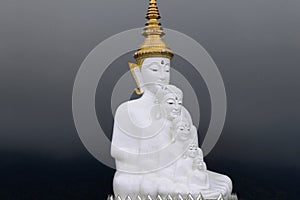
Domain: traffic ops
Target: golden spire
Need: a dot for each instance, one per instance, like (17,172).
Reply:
(154,45)
(153,12)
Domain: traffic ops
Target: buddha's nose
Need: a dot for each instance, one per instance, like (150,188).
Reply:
(162,76)
(176,107)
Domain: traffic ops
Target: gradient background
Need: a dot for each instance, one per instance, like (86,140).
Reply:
(255,44)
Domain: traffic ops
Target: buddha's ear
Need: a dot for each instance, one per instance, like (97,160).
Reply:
(136,73)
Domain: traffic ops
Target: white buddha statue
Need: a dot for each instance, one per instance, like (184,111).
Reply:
(155,143)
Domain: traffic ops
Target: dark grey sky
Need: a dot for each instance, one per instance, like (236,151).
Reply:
(255,43)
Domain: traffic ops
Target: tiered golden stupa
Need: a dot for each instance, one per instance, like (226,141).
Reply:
(153,45)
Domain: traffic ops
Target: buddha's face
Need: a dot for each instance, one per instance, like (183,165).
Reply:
(193,150)
(183,130)
(171,105)
(155,72)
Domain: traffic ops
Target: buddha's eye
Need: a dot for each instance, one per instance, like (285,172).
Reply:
(167,68)
(154,69)
(170,102)
(180,102)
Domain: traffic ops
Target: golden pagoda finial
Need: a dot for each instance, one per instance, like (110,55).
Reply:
(153,12)
(154,45)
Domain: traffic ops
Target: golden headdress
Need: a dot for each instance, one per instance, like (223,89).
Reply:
(154,45)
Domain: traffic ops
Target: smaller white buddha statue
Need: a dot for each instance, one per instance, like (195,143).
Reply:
(191,169)
(198,176)
(169,100)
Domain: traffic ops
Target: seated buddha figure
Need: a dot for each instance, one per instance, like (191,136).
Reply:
(152,157)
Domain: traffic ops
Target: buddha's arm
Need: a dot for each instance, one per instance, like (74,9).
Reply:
(122,148)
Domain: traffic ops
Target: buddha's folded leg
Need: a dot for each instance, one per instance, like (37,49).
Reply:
(149,185)
(165,186)
(125,184)
(218,184)
(221,181)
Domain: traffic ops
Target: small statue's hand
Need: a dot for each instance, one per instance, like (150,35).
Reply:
(201,167)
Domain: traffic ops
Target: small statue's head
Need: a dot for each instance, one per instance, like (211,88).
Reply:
(193,150)
(155,72)
(182,128)
(170,99)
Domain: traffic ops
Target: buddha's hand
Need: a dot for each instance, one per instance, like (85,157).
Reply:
(199,164)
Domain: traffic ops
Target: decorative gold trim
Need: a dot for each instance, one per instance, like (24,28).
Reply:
(132,66)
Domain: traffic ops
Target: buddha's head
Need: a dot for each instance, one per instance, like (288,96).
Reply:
(169,98)
(182,128)
(193,150)
(154,55)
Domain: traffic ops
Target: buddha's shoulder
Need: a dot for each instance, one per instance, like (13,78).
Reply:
(132,113)
(126,107)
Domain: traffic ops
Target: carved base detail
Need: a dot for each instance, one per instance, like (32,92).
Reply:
(170,197)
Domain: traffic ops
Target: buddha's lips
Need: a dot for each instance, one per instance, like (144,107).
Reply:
(176,113)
